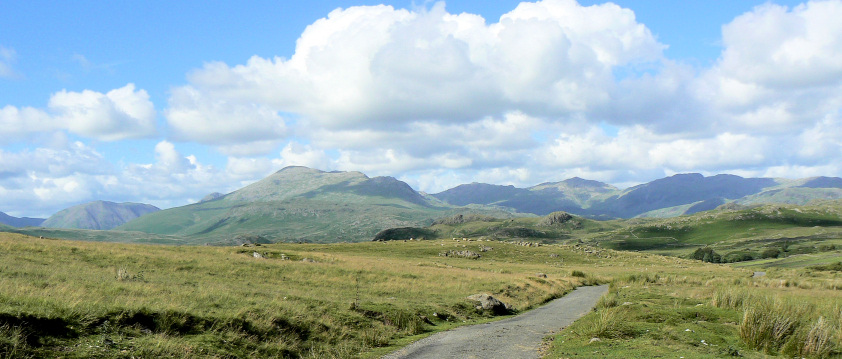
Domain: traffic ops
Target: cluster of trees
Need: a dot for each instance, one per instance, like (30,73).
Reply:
(707,254)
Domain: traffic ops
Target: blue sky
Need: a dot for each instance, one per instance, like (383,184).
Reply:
(162,103)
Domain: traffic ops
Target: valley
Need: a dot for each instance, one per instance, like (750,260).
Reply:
(318,264)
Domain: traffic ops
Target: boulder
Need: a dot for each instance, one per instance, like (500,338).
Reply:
(489,303)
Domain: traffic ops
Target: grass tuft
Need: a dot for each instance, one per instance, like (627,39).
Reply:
(607,323)
(13,342)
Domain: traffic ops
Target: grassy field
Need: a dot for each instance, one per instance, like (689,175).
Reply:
(787,313)
(79,299)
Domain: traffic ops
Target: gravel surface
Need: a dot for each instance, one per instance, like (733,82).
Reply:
(515,337)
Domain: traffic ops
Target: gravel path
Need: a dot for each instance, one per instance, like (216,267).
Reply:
(515,337)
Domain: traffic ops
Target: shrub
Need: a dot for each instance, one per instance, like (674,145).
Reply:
(770,253)
(837,267)
(739,256)
(578,273)
(706,254)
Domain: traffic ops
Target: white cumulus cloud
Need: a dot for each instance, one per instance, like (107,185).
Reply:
(118,114)
(378,67)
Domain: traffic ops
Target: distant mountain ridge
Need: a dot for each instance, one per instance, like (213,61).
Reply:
(305,204)
(20,222)
(302,204)
(666,197)
(98,215)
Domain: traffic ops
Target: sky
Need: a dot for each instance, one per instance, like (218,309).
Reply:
(164,102)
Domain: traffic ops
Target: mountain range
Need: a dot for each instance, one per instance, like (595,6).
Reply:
(98,215)
(667,197)
(19,222)
(304,204)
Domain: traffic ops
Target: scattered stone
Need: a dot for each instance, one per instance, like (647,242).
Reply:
(485,249)
(526,244)
(553,255)
(464,254)
(541,275)
(308,260)
(489,303)
(594,340)
(257,255)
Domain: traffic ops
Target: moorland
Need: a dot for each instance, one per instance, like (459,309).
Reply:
(251,286)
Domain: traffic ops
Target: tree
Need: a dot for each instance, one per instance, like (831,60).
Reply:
(706,254)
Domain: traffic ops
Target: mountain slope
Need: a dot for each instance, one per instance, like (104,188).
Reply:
(301,204)
(20,222)
(667,197)
(570,195)
(98,215)
(679,190)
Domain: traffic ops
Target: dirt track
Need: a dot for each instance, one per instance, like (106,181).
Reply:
(516,337)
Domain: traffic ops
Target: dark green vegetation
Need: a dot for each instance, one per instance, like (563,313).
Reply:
(98,215)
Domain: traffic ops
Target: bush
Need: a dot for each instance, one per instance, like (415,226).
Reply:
(706,254)
(739,256)
(835,267)
(770,253)
(578,273)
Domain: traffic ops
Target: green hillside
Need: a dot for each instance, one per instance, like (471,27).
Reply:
(299,204)
(792,195)
(554,228)
(738,235)
(735,235)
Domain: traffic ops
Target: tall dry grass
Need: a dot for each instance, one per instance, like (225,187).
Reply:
(795,323)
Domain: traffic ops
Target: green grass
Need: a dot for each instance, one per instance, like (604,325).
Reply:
(351,300)
(710,316)
(118,300)
(365,299)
